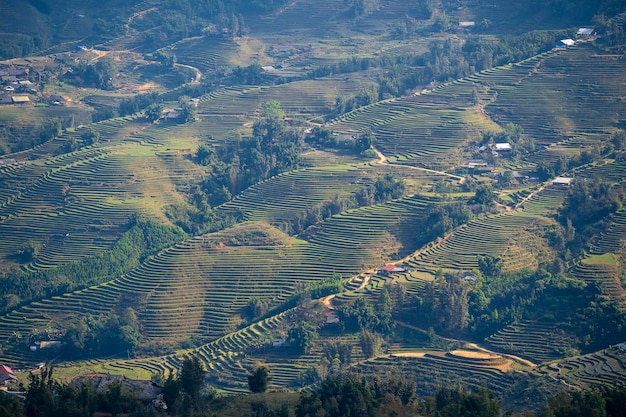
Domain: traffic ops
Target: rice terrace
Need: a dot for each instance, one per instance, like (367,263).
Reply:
(426,193)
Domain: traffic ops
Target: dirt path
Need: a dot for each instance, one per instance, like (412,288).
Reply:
(382,159)
(138,15)
(473,346)
(198,76)
(328,301)
(286,7)
(529,196)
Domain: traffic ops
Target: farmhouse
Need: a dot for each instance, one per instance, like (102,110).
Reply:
(7,376)
(502,147)
(562,182)
(390,269)
(585,33)
(565,43)
(20,99)
(56,99)
(279,342)
(171,115)
(332,318)
(467,24)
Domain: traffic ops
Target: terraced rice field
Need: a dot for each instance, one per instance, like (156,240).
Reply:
(194,288)
(434,369)
(285,197)
(78,204)
(429,130)
(603,368)
(578,96)
(507,235)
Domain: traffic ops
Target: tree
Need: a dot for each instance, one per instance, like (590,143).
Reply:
(258,379)
(371,343)
(89,137)
(455,303)
(303,336)
(172,393)
(364,141)
(188,109)
(272,109)
(154,112)
(490,266)
(485,196)
(389,187)
(357,315)
(192,376)
(383,309)
(40,395)
(10,406)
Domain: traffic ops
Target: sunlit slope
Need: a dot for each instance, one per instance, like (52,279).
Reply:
(287,197)
(197,288)
(78,204)
(566,100)
(431,130)
(516,237)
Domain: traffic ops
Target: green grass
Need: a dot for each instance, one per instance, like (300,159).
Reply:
(607,259)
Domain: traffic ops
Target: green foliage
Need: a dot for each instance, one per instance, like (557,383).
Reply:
(371,343)
(452,403)
(192,375)
(341,395)
(391,395)
(389,187)
(258,379)
(485,196)
(144,238)
(326,287)
(272,109)
(139,102)
(105,335)
(590,201)
(29,251)
(576,404)
(361,314)
(17,137)
(588,206)
(340,349)
(303,336)
(273,148)
(90,137)
(345,105)
(100,75)
(172,394)
(10,406)
(441,219)
(46,397)
(490,266)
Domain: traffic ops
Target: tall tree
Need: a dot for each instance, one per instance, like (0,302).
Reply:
(258,379)
(192,375)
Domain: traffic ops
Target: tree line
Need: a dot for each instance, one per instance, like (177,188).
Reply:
(342,395)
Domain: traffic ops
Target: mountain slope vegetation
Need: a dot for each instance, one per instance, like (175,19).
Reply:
(317,188)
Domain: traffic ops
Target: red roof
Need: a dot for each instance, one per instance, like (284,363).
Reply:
(6,370)
(389,267)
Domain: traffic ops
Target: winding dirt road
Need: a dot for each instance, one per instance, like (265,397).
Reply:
(382,159)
